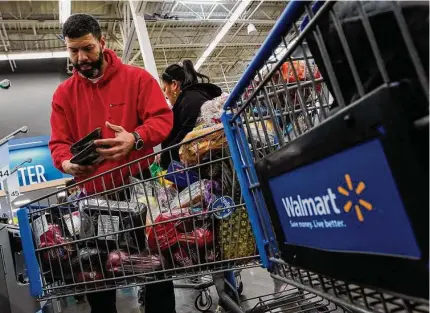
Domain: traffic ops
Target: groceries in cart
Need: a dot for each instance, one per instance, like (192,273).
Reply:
(190,214)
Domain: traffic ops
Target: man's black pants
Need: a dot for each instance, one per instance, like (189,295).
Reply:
(159,298)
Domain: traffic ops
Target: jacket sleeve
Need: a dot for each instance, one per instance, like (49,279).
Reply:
(155,114)
(61,136)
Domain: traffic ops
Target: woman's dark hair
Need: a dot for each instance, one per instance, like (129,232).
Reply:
(185,74)
(70,182)
(78,25)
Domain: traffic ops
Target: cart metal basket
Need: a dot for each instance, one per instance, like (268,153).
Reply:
(147,227)
(328,131)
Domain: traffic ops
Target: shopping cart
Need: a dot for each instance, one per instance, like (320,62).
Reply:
(328,131)
(139,224)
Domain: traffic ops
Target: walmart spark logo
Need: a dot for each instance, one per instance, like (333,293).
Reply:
(358,191)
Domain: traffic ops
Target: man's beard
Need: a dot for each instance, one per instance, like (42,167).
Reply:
(95,69)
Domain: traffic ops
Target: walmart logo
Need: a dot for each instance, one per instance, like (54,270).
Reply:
(326,202)
(358,191)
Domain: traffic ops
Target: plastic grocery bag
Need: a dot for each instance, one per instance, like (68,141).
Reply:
(179,175)
(211,111)
(157,171)
(261,133)
(212,140)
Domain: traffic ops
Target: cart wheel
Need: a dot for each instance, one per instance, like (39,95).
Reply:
(240,288)
(239,284)
(203,301)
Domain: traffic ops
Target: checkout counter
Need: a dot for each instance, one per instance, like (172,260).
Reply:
(14,289)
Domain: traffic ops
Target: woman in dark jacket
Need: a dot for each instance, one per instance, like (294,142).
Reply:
(186,90)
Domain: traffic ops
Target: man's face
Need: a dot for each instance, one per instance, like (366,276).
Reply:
(86,54)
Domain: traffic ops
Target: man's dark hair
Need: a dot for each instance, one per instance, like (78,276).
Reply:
(78,25)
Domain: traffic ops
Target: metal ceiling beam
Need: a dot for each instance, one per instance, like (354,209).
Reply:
(163,62)
(191,10)
(137,8)
(200,2)
(148,21)
(131,36)
(204,45)
(4,38)
(235,15)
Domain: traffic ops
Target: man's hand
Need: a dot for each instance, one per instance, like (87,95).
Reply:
(120,146)
(77,170)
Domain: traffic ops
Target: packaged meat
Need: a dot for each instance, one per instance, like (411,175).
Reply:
(121,262)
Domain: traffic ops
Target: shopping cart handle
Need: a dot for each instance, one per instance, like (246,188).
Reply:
(29,253)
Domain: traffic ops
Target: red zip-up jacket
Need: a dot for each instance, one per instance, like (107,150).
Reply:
(125,95)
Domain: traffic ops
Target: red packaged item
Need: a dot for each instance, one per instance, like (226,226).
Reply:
(168,216)
(115,259)
(53,237)
(143,263)
(120,262)
(200,237)
(210,255)
(170,233)
(302,71)
(166,232)
(88,276)
(181,257)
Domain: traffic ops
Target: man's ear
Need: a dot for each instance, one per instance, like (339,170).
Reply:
(103,42)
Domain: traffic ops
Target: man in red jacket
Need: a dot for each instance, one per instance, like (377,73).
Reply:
(128,105)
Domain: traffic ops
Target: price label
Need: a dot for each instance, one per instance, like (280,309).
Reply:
(12,186)
(106,225)
(14,193)
(40,226)
(73,222)
(4,172)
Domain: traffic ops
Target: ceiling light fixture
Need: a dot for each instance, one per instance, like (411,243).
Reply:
(224,30)
(34,55)
(251,29)
(64,9)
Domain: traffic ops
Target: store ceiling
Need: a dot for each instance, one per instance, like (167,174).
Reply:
(177,30)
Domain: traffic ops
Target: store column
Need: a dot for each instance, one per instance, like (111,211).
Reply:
(138,29)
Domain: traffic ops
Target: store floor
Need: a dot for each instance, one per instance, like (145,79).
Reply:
(127,298)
